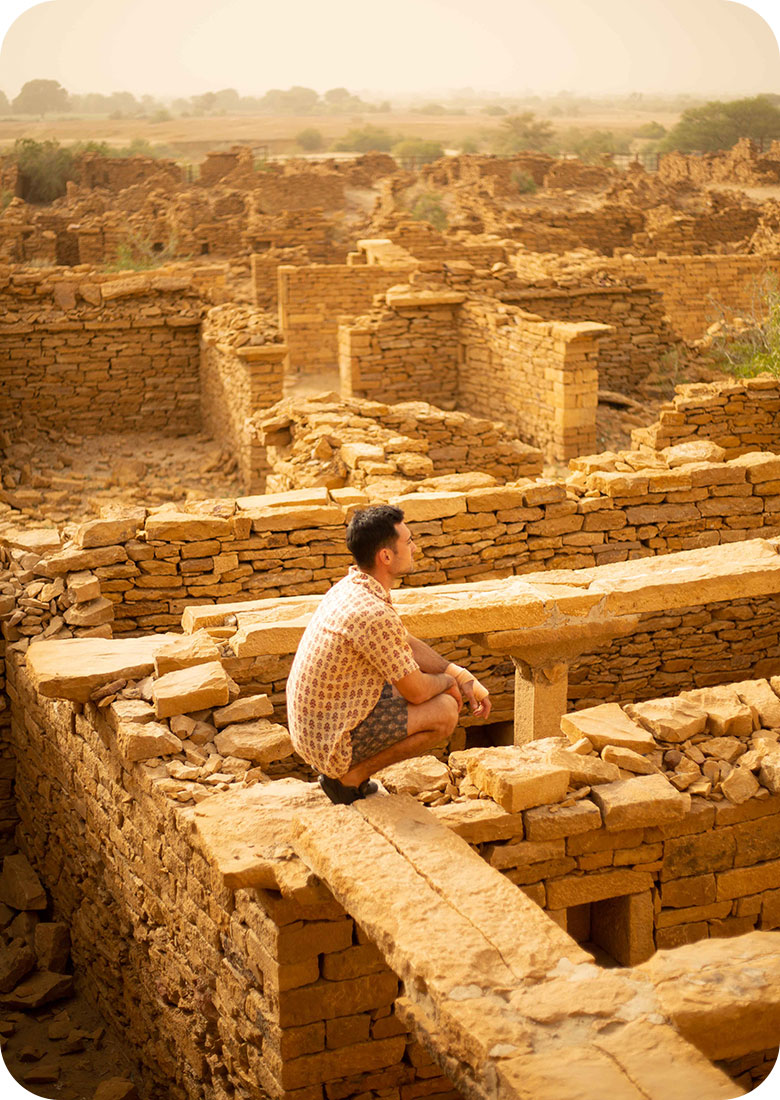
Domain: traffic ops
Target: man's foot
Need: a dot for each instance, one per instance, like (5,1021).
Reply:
(367,787)
(339,793)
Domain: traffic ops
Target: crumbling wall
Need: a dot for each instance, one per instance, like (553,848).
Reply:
(114,174)
(696,288)
(100,352)
(741,164)
(739,415)
(313,299)
(241,371)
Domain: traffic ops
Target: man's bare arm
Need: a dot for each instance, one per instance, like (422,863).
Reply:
(419,686)
(430,661)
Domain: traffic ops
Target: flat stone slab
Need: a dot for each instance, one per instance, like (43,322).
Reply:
(643,800)
(515,782)
(422,773)
(261,741)
(607,725)
(673,720)
(480,820)
(185,651)
(40,989)
(191,689)
(243,710)
(73,667)
(144,740)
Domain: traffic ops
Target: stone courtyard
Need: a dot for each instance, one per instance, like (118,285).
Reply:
(582,895)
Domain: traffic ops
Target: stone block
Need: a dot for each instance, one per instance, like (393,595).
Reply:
(17,959)
(185,651)
(52,945)
(172,526)
(191,689)
(551,822)
(604,725)
(516,783)
(673,720)
(20,886)
(423,773)
(243,710)
(759,695)
(643,800)
(748,880)
(682,893)
(479,820)
(260,741)
(572,890)
(144,740)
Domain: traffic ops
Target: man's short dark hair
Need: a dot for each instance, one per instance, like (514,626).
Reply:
(370,530)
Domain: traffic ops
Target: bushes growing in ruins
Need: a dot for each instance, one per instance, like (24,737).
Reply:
(139,253)
(524,182)
(413,152)
(369,139)
(523,131)
(429,207)
(755,347)
(44,169)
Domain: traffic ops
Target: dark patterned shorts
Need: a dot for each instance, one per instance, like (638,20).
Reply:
(383,726)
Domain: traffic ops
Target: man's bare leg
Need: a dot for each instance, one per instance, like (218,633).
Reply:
(427,724)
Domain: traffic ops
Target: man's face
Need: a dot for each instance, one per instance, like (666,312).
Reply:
(403,552)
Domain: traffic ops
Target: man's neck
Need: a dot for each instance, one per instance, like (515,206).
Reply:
(381,575)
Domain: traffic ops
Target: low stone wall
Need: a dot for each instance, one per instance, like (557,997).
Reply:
(312,300)
(695,289)
(739,415)
(241,371)
(98,352)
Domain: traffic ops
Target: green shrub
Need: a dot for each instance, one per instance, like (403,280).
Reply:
(140,254)
(524,182)
(45,168)
(369,139)
(653,130)
(756,349)
(428,207)
(469,145)
(310,139)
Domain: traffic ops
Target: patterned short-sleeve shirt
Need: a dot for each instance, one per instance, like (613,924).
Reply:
(354,644)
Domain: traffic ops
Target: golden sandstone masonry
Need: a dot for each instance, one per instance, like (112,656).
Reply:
(243,936)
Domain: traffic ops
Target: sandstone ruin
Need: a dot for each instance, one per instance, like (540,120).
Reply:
(582,896)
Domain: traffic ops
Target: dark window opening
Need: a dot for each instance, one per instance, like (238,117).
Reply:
(204,249)
(158,246)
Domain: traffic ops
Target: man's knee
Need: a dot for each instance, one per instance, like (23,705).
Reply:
(449,711)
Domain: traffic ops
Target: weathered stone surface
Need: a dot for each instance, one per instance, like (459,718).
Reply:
(418,507)
(584,769)
(741,881)
(605,725)
(769,774)
(479,820)
(185,527)
(185,651)
(191,689)
(722,995)
(260,741)
(423,773)
(116,527)
(759,695)
(549,822)
(723,748)
(244,833)
(20,887)
(571,890)
(628,760)
(243,710)
(697,450)
(40,989)
(144,740)
(515,782)
(739,785)
(52,945)
(643,801)
(73,668)
(116,1088)
(673,720)
(17,959)
(727,715)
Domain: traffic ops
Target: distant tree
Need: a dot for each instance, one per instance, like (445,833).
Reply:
(494,109)
(310,139)
(719,125)
(227,99)
(653,130)
(124,102)
(523,131)
(205,102)
(591,145)
(337,96)
(412,152)
(40,97)
(302,101)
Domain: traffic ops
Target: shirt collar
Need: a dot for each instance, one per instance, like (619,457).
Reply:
(357,576)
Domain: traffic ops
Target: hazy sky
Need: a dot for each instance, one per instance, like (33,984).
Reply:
(182,47)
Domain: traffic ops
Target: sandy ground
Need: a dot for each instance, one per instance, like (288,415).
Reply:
(194,136)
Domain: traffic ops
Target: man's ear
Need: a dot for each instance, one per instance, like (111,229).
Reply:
(385,556)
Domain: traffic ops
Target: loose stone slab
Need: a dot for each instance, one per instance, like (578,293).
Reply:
(72,668)
(644,800)
(260,741)
(480,820)
(144,740)
(423,773)
(191,689)
(185,527)
(759,695)
(243,710)
(605,725)
(186,651)
(40,989)
(673,720)
(628,760)
(739,785)
(515,782)
(20,886)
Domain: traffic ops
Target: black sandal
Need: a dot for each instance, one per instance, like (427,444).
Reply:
(339,793)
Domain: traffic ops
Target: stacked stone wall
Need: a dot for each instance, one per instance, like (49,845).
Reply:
(313,299)
(241,371)
(696,289)
(739,415)
(214,989)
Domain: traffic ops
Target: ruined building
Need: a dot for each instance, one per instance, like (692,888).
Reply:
(581,897)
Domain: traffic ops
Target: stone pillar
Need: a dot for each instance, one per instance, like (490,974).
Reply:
(540,699)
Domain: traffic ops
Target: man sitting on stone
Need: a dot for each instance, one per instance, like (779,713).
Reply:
(362,692)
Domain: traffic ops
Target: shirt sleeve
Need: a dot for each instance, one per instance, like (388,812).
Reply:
(383,642)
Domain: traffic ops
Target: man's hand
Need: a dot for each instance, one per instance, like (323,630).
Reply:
(454,691)
(481,709)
